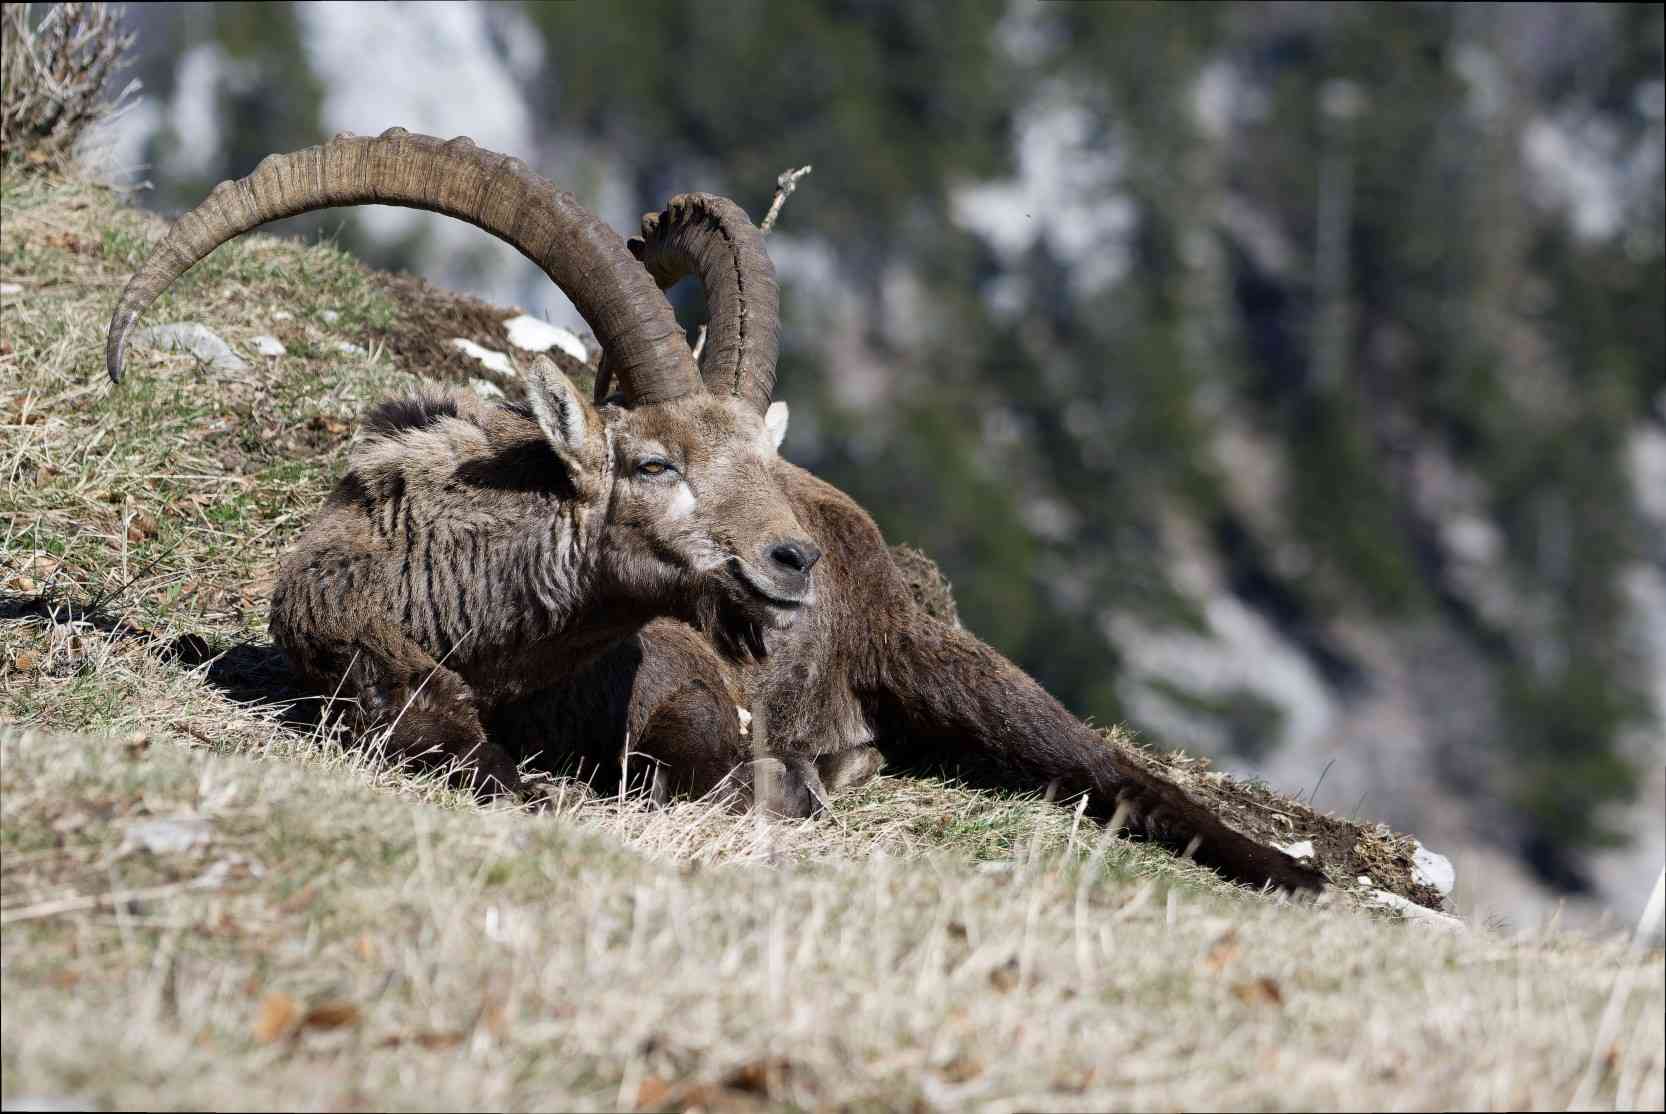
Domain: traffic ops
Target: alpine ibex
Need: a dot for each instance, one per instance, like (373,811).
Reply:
(471,554)
(866,674)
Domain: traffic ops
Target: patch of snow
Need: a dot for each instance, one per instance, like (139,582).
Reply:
(1241,651)
(1049,518)
(1416,914)
(1007,296)
(1646,466)
(348,348)
(1025,35)
(329,316)
(268,345)
(1222,98)
(1489,88)
(1651,924)
(1365,880)
(283,315)
(195,338)
(1301,849)
(95,148)
(1577,165)
(531,334)
(204,72)
(807,262)
(480,96)
(1469,537)
(491,392)
(522,46)
(485,54)
(10,288)
(1342,99)
(836,314)
(906,311)
(1430,869)
(112,151)
(1064,195)
(494,361)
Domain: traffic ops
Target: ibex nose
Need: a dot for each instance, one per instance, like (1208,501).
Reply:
(796,556)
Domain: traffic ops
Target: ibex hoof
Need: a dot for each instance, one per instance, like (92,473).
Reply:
(849,768)
(789,789)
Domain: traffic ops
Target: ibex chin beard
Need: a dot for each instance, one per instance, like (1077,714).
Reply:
(743,613)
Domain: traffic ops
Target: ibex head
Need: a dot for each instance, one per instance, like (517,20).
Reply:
(694,501)
(679,456)
(713,449)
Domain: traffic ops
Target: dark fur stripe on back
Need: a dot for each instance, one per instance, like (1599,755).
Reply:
(350,491)
(399,414)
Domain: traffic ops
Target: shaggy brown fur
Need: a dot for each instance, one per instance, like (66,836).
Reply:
(866,672)
(473,552)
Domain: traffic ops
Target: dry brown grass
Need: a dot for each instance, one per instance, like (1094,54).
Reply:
(56,61)
(204,906)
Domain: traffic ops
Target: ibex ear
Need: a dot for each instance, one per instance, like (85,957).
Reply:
(775,420)
(562,412)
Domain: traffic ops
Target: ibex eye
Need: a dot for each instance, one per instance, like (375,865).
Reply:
(653,468)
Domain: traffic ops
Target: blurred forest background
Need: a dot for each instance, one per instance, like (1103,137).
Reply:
(1286,380)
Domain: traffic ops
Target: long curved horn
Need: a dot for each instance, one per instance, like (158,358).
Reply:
(712,238)
(584,257)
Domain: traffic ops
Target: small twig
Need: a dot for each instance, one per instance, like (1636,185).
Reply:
(120,590)
(1354,815)
(1321,781)
(200,736)
(785,183)
(81,902)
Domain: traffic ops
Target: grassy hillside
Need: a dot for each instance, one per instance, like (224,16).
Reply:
(205,904)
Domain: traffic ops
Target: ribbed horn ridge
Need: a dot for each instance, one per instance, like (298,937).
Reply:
(712,238)
(583,256)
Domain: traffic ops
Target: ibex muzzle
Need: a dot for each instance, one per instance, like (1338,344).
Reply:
(472,553)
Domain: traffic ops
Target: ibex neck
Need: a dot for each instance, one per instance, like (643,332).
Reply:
(542,626)
(559,569)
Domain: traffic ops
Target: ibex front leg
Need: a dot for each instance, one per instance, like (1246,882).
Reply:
(429,712)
